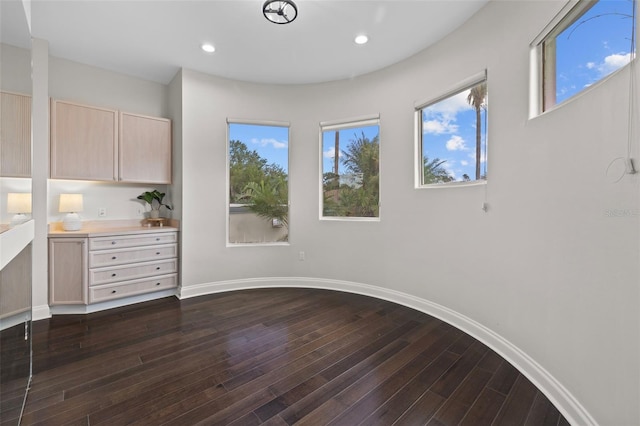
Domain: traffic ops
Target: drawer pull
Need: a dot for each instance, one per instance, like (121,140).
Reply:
(158,252)
(157,238)
(113,258)
(113,275)
(113,242)
(113,291)
(157,268)
(157,283)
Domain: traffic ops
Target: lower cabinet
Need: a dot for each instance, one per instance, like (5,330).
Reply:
(100,268)
(68,271)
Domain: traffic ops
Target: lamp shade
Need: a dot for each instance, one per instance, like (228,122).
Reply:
(19,202)
(70,203)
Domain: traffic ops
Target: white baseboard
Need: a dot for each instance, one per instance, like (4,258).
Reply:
(566,403)
(12,320)
(40,312)
(116,303)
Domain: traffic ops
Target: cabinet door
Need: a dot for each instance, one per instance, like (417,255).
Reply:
(68,271)
(145,149)
(83,142)
(15,135)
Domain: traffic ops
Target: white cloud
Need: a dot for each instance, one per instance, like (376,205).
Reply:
(448,166)
(472,155)
(269,141)
(330,153)
(610,63)
(450,107)
(464,163)
(441,117)
(439,127)
(617,60)
(456,143)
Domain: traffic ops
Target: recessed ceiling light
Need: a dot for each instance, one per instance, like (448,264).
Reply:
(361,39)
(208,47)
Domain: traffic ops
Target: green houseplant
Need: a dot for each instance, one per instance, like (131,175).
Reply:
(155,200)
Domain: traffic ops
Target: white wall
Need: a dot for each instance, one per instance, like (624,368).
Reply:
(16,64)
(546,268)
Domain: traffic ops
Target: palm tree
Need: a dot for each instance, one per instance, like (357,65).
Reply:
(476,99)
(434,172)
(362,160)
(268,200)
(362,157)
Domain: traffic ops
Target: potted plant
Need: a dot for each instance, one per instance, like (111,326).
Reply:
(154,199)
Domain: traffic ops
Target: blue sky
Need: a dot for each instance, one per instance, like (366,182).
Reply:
(597,44)
(271,142)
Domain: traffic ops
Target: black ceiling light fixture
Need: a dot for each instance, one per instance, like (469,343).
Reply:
(280,11)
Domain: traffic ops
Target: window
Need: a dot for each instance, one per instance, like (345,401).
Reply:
(592,40)
(350,169)
(258,183)
(452,137)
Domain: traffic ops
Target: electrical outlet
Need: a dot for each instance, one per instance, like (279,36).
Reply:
(102,212)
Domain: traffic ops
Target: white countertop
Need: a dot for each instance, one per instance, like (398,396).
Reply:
(104,227)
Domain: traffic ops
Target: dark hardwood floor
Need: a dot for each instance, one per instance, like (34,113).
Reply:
(276,357)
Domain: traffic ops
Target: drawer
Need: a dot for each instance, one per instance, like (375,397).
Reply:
(131,288)
(130,255)
(120,241)
(132,271)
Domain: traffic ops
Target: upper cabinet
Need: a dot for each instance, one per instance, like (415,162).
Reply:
(91,143)
(145,149)
(15,135)
(83,142)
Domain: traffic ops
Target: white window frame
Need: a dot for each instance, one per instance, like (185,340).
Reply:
(543,58)
(228,179)
(418,135)
(353,123)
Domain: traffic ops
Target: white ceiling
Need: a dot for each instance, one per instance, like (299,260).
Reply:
(154,39)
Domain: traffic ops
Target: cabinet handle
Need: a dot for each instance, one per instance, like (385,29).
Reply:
(157,283)
(113,242)
(157,252)
(157,268)
(113,291)
(113,275)
(157,238)
(113,257)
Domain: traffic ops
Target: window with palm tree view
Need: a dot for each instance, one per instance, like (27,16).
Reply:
(258,183)
(350,169)
(452,135)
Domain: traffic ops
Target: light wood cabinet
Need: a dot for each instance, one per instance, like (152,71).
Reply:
(144,149)
(91,143)
(83,142)
(15,287)
(113,266)
(67,271)
(15,135)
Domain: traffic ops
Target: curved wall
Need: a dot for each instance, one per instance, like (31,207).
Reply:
(547,272)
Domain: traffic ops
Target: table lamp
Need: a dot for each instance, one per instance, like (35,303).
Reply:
(71,204)
(19,203)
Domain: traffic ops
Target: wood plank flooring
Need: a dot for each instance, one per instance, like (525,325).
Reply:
(272,357)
